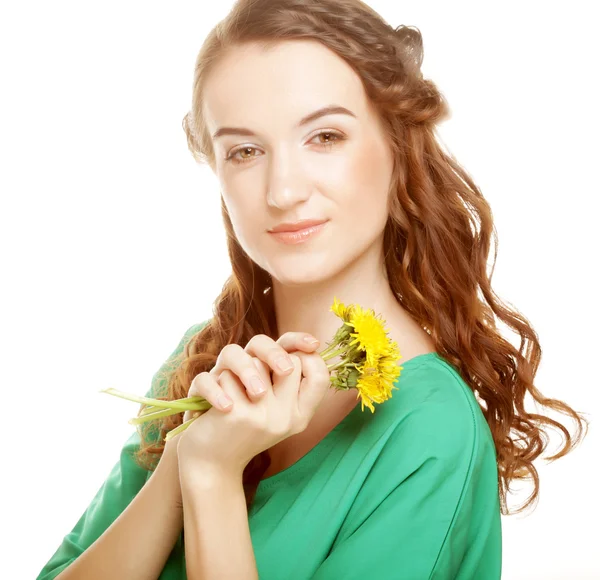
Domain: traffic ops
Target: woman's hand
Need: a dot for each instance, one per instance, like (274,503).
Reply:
(239,361)
(227,441)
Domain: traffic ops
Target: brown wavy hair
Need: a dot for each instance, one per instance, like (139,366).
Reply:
(437,237)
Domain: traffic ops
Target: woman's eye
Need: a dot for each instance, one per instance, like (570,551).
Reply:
(333,137)
(232,155)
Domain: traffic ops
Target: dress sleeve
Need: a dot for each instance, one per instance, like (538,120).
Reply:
(120,487)
(429,507)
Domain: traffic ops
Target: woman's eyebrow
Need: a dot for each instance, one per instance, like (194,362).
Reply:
(328,110)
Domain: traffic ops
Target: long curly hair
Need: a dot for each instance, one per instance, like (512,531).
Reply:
(437,237)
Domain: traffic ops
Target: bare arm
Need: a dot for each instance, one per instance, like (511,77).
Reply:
(218,544)
(137,544)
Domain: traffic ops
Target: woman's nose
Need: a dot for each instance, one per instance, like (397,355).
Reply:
(287,185)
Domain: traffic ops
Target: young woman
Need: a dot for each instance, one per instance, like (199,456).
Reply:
(317,121)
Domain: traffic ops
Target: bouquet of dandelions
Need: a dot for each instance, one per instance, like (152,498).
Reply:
(368,363)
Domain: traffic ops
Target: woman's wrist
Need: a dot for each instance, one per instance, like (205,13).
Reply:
(168,469)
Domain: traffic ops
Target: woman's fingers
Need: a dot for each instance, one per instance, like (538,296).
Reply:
(315,384)
(252,366)
(206,385)
(273,355)
(235,359)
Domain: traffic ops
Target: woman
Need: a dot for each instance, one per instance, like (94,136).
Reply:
(318,111)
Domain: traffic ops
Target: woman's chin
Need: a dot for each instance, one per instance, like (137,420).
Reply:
(298,278)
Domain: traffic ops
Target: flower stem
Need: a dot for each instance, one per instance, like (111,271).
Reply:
(159,414)
(335,366)
(325,352)
(179,429)
(191,405)
(335,353)
(151,416)
(153,408)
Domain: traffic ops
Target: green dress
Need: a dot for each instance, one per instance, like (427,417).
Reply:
(408,492)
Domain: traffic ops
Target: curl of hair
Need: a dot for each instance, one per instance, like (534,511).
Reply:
(437,238)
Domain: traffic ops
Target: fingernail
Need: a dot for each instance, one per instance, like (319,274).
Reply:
(312,341)
(258,387)
(284,364)
(224,402)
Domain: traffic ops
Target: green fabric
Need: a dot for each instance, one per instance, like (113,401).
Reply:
(408,492)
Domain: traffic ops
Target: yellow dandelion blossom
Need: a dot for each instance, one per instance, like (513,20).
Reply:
(373,387)
(340,310)
(369,334)
(380,369)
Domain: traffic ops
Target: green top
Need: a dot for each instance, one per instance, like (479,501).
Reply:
(407,492)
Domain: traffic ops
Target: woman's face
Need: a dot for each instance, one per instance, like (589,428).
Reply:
(274,169)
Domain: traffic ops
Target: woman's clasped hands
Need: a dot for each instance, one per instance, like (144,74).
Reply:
(222,440)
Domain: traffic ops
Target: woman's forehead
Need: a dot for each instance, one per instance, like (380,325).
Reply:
(279,86)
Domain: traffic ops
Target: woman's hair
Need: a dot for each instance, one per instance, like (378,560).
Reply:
(437,237)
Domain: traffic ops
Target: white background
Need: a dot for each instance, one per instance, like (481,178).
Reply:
(112,243)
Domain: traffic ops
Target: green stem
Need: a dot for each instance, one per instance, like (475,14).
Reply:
(179,429)
(326,350)
(156,402)
(159,414)
(335,353)
(153,408)
(332,346)
(335,366)
(151,416)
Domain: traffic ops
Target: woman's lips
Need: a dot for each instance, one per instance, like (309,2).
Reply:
(299,236)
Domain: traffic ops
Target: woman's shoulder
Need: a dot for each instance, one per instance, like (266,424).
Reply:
(431,478)
(431,435)
(192,330)
(429,380)
(434,402)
